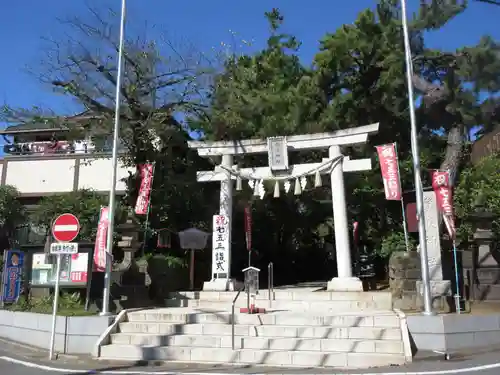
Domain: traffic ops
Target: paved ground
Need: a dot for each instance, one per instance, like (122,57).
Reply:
(22,360)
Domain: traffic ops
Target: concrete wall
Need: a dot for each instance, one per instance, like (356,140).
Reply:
(60,173)
(74,335)
(453,332)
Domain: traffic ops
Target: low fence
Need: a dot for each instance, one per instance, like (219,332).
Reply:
(454,332)
(74,334)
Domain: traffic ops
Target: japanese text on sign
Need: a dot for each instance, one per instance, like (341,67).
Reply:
(64,248)
(278,156)
(444,197)
(12,275)
(220,244)
(142,204)
(390,171)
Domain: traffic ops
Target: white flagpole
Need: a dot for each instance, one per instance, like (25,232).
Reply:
(112,193)
(424,260)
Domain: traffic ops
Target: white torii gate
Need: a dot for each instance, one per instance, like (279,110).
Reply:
(333,140)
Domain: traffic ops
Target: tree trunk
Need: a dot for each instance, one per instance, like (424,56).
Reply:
(453,154)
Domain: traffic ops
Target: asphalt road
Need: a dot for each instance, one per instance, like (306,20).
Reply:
(12,369)
(21,360)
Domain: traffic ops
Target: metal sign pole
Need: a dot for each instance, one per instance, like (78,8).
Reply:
(54,308)
(424,259)
(90,269)
(106,293)
(4,275)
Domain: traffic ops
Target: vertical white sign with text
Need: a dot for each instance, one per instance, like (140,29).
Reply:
(220,246)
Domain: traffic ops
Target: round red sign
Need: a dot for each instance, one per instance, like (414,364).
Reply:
(65,228)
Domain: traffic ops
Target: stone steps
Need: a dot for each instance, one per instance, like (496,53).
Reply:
(281,331)
(354,339)
(281,305)
(262,343)
(287,300)
(287,295)
(384,319)
(251,356)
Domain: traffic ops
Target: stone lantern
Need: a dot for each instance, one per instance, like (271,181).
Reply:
(129,279)
(482,267)
(483,234)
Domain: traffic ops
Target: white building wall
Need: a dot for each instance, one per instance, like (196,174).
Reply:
(96,174)
(35,176)
(41,176)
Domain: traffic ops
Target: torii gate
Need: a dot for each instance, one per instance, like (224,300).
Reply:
(227,172)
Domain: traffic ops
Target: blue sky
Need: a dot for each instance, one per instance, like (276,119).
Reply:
(204,23)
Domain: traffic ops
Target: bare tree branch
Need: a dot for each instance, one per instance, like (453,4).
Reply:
(493,2)
(160,79)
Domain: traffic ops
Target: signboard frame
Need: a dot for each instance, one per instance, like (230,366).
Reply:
(84,247)
(63,283)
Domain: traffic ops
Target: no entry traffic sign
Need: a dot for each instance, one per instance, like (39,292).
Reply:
(65,228)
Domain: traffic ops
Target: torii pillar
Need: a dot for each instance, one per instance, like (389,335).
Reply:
(345,281)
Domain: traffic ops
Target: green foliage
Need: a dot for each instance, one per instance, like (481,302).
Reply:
(69,304)
(268,93)
(358,77)
(478,189)
(395,242)
(163,261)
(84,204)
(12,212)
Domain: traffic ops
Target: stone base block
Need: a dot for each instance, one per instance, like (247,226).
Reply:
(439,288)
(347,284)
(411,301)
(485,257)
(220,285)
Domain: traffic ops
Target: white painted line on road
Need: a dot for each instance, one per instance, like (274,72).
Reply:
(131,372)
(65,228)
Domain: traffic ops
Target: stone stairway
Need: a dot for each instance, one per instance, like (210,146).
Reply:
(294,300)
(361,332)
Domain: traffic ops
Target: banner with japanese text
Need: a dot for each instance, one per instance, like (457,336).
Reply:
(220,246)
(441,185)
(248,227)
(12,275)
(100,241)
(390,171)
(142,203)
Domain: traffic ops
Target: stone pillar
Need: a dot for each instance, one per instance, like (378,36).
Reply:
(226,209)
(344,280)
(439,287)
(483,237)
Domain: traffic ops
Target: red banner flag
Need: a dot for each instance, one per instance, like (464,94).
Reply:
(100,241)
(248,227)
(355,233)
(142,204)
(444,199)
(390,171)
(411,217)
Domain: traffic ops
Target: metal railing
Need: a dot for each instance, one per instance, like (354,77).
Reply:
(270,283)
(232,315)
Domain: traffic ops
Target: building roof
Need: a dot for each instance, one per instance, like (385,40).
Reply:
(31,127)
(50,125)
(487,145)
